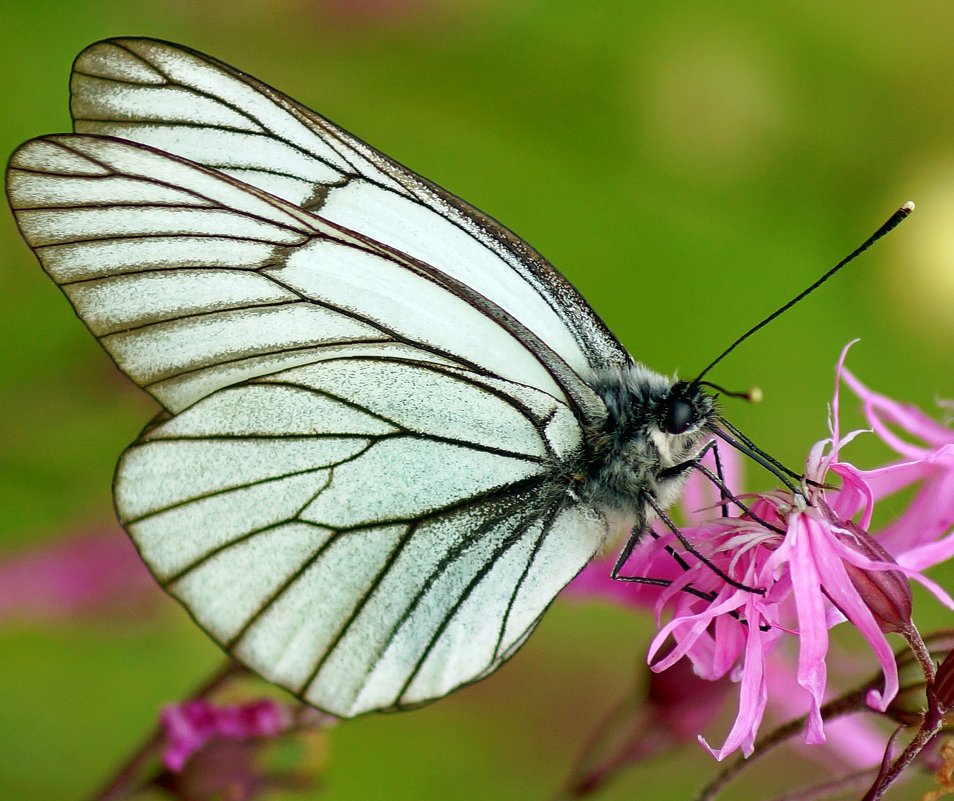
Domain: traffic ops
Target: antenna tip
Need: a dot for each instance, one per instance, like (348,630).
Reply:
(754,395)
(907,208)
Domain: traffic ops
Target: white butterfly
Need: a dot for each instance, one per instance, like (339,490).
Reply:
(392,431)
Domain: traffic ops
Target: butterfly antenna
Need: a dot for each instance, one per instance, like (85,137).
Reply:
(890,224)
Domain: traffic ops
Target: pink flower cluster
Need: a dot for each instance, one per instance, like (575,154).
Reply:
(812,562)
(239,751)
(191,725)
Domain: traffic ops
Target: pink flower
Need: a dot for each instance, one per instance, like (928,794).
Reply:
(240,751)
(813,565)
(93,572)
(190,725)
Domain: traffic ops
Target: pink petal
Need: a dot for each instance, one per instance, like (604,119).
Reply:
(840,371)
(686,631)
(842,591)
(700,496)
(752,694)
(908,417)
(812,672)
(928,516)
(887,480)
(855,495)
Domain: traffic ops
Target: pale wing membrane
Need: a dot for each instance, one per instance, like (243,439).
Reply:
(193,281)
(369,533)
(189,104)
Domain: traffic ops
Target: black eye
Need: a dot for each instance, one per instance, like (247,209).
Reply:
(679,416)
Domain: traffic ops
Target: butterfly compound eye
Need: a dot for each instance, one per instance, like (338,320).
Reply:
(680,416)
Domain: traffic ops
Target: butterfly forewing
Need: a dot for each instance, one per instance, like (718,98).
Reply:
(297,288)
(186,103)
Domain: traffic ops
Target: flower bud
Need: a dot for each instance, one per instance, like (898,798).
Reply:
(944,683)
(886,593)
(682,702)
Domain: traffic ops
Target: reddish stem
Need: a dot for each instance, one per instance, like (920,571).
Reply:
(127,779)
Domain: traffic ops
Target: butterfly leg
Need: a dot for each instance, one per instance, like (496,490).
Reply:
(634,537)
(668,523)
(717,478)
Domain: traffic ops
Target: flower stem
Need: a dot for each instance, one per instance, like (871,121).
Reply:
(932,721)
(127,778)
(829,788)
(921,653)
(924,736)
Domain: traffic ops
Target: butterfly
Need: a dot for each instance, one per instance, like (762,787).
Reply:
(391,432)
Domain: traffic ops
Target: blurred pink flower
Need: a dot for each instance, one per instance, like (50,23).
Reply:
(95,572)
(190,725)
(215,751)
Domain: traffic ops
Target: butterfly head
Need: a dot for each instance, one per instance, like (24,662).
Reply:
(680,424)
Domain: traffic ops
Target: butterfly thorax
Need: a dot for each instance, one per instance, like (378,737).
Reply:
(653,426)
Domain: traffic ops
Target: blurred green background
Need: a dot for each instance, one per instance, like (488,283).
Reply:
(688,165)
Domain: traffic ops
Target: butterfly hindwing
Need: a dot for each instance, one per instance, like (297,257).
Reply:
(369,533)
